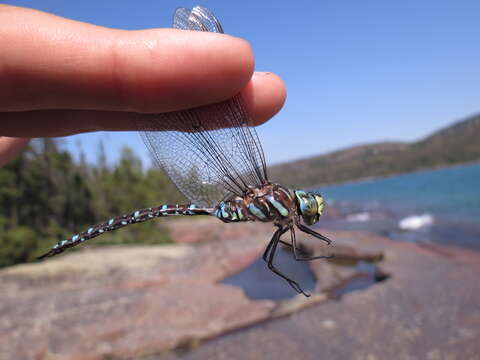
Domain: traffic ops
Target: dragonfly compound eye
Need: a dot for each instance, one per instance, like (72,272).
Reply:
(320,204)
(308,206)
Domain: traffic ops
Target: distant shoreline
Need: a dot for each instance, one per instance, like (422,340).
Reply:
(455,145)
(374,178)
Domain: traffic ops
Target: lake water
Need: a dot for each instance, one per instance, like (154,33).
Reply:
(440,205)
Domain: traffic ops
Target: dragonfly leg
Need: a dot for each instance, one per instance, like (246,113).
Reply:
(295,249)
(267,250)
(273,247)
(288,245)
(269,246)
(291,246)
(313,233)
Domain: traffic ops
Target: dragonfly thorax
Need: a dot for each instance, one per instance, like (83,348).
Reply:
(270,202)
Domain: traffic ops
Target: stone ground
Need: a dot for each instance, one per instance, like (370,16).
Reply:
(428,309)
(166,303)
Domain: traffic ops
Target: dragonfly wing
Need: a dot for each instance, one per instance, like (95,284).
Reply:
(209,152)
(199,19)
(180,18)
(203,158)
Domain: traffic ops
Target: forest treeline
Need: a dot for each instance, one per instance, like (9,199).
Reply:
(47,196)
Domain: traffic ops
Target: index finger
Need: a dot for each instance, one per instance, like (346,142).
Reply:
(48,62)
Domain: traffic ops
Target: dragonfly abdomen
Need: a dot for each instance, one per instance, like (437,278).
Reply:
(124,220)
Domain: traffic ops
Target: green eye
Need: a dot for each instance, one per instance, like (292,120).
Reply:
(320,204)
(308,205)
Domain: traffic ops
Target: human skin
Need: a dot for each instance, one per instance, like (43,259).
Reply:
(60,77)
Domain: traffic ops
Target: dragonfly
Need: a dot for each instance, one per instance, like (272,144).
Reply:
(214,156)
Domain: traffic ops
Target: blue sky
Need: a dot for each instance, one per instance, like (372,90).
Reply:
(356,71)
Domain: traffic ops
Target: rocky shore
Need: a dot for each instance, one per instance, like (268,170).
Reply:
(167,302)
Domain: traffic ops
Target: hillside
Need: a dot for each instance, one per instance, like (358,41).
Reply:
(458,143)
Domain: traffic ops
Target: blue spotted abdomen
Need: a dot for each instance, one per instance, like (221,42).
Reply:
(121,221)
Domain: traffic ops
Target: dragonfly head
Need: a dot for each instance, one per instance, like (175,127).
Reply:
(310,206)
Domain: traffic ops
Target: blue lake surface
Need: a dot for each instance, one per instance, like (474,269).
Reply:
(450,195)
(452,192)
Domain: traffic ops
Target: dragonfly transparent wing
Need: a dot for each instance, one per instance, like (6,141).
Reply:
(180,19)
(209,152)
(199,18)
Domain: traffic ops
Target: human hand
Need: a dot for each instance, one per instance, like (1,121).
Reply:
(61,77)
